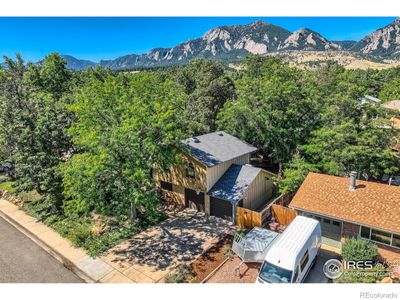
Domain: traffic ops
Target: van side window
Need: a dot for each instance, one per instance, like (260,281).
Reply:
(304,261)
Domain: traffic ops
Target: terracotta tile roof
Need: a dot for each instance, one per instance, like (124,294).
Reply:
(395,105)
(373,204)
(396,147)
(396,123)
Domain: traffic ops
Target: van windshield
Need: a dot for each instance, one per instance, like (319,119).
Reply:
(274,274)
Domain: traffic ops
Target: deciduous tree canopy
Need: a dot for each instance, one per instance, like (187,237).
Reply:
(90,140)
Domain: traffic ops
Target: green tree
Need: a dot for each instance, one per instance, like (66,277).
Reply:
(295,173)
(277,107)
(126,127)
(391,90)
(10,102)
(34,119)
(208,88)
(354,138)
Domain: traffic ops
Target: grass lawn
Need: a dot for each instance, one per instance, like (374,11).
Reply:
(7,186)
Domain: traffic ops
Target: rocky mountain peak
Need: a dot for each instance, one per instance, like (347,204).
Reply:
(384,41)
(216,33)
(258,23)
(309,40)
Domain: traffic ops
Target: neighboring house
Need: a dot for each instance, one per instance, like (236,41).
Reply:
(394,105)
(216,177)
(357,209)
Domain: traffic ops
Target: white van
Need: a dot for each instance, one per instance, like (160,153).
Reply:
(293,253)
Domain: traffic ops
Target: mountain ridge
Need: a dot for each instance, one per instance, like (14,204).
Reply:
(384,41)
(235,42)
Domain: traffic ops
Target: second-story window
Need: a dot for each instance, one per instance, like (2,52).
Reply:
(190,171)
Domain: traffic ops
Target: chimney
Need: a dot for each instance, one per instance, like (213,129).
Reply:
(353,177)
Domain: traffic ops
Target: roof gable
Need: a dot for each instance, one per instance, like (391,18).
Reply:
(214,148)
(372,204)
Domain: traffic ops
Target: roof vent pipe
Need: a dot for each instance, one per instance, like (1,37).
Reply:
(353,177)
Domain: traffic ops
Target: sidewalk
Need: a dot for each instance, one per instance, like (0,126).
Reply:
(75,259)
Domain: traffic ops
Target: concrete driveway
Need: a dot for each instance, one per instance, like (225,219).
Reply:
(150,255)
(22,261)
(316,274)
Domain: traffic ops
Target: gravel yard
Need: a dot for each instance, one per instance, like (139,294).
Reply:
(228,273)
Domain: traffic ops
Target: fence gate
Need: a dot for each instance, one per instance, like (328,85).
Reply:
(246,218)
(283,215)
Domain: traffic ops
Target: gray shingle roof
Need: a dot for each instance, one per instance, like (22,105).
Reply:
(234,183)
(214,148)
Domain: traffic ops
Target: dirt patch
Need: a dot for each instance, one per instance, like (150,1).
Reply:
(228,273)
(209,261)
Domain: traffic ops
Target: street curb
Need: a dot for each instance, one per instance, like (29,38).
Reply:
(54,253)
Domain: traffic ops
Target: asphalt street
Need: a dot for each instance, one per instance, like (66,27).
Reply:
(23,261)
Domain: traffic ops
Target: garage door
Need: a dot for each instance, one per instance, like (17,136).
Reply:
(331,231)
(194,200)
(221,208)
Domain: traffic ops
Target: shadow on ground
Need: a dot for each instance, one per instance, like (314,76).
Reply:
(174,241)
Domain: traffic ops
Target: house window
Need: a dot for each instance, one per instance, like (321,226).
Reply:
(166,186)
(380,236)
(190,171)
(396,240)
(304,261)
(365,232)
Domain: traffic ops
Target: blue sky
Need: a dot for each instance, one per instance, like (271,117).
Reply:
(96,38)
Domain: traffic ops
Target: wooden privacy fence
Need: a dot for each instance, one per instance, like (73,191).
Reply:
(283,215)
(246,218)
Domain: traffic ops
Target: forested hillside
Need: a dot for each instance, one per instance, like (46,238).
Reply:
(86,142)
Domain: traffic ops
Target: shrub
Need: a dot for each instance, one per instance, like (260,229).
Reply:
(79,228)
(181,273)
(359,250)
(228,252)
(80,234)
(40,209)
(31,196)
